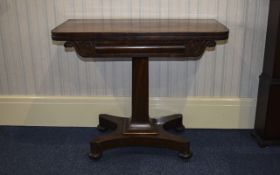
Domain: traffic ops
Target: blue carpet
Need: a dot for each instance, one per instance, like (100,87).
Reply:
(59,151)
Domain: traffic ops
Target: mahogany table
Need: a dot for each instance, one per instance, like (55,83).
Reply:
(140,39)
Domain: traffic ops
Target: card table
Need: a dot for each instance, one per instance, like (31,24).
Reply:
(140,39)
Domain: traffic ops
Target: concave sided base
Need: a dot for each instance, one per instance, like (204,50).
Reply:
(140,130)
(161,138)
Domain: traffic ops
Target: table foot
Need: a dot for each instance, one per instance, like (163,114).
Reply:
(101,128)
(185,155)
(108,122)
(174,121)
(162,138)
(94,156)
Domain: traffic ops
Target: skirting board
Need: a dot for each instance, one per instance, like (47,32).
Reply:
(229,113)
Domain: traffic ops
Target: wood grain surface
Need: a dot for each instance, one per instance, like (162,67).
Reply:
(85,29)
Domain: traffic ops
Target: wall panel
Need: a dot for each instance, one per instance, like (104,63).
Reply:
(32,64)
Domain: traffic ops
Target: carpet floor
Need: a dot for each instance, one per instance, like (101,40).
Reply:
(63,151)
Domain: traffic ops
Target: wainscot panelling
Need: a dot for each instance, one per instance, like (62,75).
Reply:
(32,64)
(198,112)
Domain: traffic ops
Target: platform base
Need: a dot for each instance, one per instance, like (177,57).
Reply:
(119,137)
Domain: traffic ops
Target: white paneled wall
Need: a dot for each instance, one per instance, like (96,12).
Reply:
(32,64)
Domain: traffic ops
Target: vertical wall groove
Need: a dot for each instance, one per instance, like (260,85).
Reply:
(32,64)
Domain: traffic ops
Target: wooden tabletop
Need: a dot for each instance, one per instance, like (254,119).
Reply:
(177,29)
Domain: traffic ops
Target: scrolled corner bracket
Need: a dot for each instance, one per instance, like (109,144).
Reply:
(68,44)
(211,43)
(195,48)
(85,49)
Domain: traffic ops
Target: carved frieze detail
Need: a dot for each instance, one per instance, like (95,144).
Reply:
(85,49)
(89,49)
(195,48)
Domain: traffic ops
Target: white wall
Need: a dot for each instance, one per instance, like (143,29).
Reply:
(30,64)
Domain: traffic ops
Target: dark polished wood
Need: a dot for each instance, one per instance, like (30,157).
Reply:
(161,139)
(267,124)
(140,93)
(146,48)
(141,29)
(140,39)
